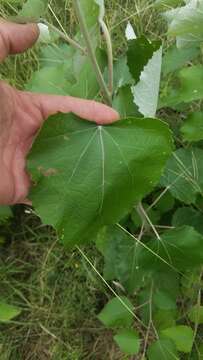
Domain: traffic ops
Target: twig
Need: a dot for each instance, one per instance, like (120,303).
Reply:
(65,37)
(91,53)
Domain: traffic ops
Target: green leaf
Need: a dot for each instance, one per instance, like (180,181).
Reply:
(5,213)
(192,129)
(164,301)
(140,51)
(53,55)
(163,319)
(196,314)
(175,58)
(117,313)
(121,255)
(105,170)
(163,349)
(181,177)
(188,216)
(51,80)
(186,23)
(8,312)
(86,85)
(146,91)
(128,341)
(189,87)
(124,104)
(165,203)
(122,76)
(182,336)
(181,248)
(33,10)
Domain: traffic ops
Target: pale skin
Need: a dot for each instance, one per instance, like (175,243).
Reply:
(22,114)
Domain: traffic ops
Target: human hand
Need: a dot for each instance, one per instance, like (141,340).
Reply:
(23,113)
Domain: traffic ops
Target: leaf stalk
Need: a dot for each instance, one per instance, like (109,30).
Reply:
(91,52)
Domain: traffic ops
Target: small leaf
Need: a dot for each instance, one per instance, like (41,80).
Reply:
(196,314)
(182,336)
(117,313)
(92,165)
(129,32)
(146,91)
(44,35)
(128,341)
(8,312)
(163,349)
(192,129)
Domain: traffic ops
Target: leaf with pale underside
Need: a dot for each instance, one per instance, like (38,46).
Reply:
(185,23)
(88,176)
(146,91)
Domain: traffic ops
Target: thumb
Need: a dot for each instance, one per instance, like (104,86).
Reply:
(16,38)
(86,109)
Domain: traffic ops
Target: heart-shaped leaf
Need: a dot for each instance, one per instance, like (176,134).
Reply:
(88,176)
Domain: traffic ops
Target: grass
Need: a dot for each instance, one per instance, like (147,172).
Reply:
(57,291)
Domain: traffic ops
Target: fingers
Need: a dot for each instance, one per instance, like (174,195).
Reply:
(15,38)
(86,109)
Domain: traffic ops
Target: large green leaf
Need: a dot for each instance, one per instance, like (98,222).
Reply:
(128,341)
(8,312)
(117,313)
(88,176)
(186,23)
(163,349)
(56,54)
(184,174)
(188,216)
(51,80)
(180,248)
(182,336)
(192,129)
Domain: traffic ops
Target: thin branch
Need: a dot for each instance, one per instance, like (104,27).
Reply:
(91,52)
(65,37)
(107,37)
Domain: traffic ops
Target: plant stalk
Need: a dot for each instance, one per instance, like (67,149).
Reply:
(91,53)
(65,37)
(109,52)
